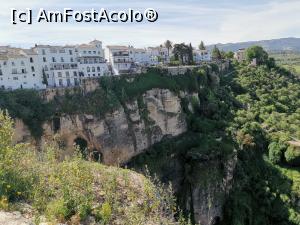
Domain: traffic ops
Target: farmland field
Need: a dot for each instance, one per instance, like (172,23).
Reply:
(289,60)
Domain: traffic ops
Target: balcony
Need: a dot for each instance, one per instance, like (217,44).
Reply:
(123,61)
(64,66)
(121,54)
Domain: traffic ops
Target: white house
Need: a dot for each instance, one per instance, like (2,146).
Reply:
(58,65)
(201,56)
(126,59)
(120,59)
(19,68)
(91,60)
(54,66)
(159,55)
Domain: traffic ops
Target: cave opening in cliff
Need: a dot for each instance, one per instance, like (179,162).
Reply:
(83,146)
(96,156)
(56,124)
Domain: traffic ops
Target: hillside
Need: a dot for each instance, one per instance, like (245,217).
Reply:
(47,188)
(227,144)
(274,45)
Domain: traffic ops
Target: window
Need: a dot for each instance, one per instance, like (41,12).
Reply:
(84,52)
(13,63)
(32,69)
(62,59)
(44,59)
(31,60)
(88,69)
(14,71)
(53,59)
(93,69)
(90,52)
(15,78)
(75,81)
(60,82)
(98,69)
(4,63)
(70,52)
(33,75)
(67,74)
(43,52)
(75,74)
(22,63)
(68,82)
(46,68)
(59,74)
(71,59)
(23,71)
(94,52)
(1,72)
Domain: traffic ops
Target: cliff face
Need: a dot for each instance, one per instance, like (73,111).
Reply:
(122,134)
(201,184)
(205,194)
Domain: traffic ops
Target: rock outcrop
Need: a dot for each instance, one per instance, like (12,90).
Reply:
(122,134)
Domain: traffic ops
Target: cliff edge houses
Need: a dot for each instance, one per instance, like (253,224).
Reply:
(64,66)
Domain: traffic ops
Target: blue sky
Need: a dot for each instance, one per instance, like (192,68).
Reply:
(214,21)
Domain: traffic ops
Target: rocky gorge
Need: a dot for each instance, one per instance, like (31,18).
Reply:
(201,181)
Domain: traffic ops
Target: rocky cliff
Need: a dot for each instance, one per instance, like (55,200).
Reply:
(122,134)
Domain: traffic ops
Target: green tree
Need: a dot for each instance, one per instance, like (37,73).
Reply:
(168,44)
(183,53)
(258,53)
(202,46)
(45,80)
(216,54)
(229,55)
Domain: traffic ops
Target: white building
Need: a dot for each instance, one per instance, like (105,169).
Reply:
(120,59)
(159,55)
(91,60)
(125,59)
(201,56)
(53,66)
(19,68)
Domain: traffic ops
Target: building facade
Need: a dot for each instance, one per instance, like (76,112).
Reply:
(19,68)
(240,55)
(201,56)
(52,66)
(127,59)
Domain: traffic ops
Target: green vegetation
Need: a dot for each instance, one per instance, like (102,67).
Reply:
(113,91)
(73,190)
(255,110)
(289,60)
(263,192)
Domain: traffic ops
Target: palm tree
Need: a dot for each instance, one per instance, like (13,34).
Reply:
(168,44)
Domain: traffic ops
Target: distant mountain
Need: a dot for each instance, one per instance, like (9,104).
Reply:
(274,45)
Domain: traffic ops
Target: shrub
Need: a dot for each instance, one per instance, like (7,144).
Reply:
(276,151)
(292,156)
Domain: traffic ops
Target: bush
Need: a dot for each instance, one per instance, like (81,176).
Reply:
(72,189)
(276,152)
(292,156)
